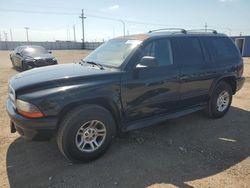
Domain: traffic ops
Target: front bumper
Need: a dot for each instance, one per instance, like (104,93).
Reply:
(239,83)
(31,129)
(39,63)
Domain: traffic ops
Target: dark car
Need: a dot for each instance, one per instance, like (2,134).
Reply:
(127,83)
(28,57)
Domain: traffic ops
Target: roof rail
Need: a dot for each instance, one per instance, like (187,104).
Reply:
(204,31)
(169,29)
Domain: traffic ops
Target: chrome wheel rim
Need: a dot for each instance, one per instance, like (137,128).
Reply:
(223,101)
(90,136)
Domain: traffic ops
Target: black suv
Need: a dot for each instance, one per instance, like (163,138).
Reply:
(127,83)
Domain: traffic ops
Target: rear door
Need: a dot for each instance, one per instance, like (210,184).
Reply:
(150,91)
(194,76)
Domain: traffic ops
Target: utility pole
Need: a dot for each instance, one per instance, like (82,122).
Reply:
(11,37)
(6,39)
(27,33)
(68,33)
(124,27)
(6,36)
(206,27)
(83,17)
(74,29)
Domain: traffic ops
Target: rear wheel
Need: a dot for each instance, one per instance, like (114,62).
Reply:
(85,133)
(220,100)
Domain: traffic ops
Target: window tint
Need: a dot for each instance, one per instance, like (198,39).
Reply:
(222,48)
(161,50)
(190,50)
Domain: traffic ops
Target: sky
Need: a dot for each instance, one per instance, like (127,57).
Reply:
(51,20)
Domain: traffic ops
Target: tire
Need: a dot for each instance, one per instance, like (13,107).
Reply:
(70,133)
(216,108)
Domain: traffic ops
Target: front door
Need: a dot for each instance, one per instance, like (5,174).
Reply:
(150,91)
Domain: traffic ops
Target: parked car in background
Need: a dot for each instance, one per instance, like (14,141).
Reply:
(127,83)
(28,57)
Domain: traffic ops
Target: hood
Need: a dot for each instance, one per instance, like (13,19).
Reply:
(40,56)
(38,76)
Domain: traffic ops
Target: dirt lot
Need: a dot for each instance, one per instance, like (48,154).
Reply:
(192,151)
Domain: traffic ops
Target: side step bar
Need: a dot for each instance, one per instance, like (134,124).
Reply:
(154,120)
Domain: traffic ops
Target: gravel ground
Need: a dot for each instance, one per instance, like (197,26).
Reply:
(192,151)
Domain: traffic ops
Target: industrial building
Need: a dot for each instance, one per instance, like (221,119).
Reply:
(243,43)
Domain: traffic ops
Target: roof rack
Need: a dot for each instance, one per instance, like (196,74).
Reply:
(169,29)
(204,31)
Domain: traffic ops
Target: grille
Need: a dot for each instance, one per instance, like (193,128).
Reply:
(42,62)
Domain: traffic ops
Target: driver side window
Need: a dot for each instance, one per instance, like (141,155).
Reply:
(161,50)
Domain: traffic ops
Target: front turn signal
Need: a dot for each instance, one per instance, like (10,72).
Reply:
(30,114)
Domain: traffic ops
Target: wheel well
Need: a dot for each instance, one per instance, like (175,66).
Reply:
(231,80)
(107,104)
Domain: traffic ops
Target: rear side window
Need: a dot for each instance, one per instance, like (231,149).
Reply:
(161,50)
(190,50)
(222,48)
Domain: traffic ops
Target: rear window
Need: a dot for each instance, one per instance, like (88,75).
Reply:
(190,50)
(222,48)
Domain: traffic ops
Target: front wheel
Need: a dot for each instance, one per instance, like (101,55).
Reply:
(220,100)
(85,133)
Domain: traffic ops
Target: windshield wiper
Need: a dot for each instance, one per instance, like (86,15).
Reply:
(92,63)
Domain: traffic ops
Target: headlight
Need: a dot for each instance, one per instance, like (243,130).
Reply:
(27,109)
(12,94)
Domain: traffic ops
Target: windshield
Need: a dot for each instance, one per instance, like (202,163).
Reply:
(34,50)
(113,53)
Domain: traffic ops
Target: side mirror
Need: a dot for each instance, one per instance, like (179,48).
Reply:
(18,53)
(50,52)
(147,61)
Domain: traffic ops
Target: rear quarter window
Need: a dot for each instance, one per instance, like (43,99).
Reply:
(221,48)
